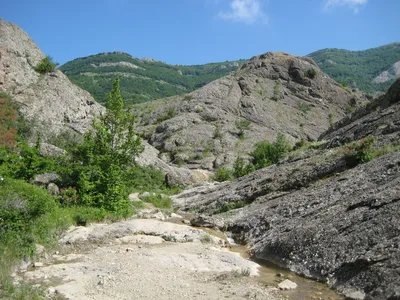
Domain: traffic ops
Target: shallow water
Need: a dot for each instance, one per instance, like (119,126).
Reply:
(306,288)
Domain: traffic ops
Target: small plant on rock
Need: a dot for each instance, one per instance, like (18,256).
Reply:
(359,152)
(310,73)
(46,65)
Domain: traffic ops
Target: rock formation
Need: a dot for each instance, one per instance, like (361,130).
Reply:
(316,216)
(272,93)
(49,100)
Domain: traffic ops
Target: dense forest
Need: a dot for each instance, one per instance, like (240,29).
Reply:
(357,69)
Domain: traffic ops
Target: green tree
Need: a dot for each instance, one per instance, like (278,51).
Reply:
(266,153)
(108,151)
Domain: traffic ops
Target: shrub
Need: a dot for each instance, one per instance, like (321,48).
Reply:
(266,154)
(169,115)
(359,152)
(46,65)
(303,107)
(277,91)
(242,125)
(330,119)
(223,174)
(240,168)
(310,73)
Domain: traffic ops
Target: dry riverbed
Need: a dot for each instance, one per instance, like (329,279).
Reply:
(146,259)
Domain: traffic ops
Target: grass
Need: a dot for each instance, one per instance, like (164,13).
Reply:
(303,107)
(159,202)
(206,239)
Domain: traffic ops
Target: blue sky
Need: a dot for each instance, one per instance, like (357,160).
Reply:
(201,31)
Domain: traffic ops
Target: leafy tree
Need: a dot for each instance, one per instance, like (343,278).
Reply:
(108,150)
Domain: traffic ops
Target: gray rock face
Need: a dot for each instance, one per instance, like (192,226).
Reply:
(313,215)
(175,176)
(51,100)
(272,93)
(380,118)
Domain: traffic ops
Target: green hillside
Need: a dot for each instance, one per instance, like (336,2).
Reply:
(359,68)
(141,79)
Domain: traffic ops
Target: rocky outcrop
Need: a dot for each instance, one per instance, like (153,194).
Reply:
(313,215)
(174,176)
(50,100)
(380,118)
(272,93)
(392,73)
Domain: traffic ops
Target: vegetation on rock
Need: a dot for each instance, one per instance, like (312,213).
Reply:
(46,65)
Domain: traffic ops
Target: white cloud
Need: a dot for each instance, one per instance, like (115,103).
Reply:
(247,11)
(353,4)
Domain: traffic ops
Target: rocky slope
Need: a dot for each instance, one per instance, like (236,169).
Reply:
(272,93)
(316,216)
(51,101)
(141,79)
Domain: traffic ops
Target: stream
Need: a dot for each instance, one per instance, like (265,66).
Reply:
(268,274)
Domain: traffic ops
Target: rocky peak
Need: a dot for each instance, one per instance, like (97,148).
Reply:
(50,100)
(272,93)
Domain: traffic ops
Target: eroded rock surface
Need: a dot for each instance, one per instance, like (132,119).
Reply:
(313,214)
(50,101)
(147,259)
(272,93)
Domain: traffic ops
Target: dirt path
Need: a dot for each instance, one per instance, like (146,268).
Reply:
(146,259)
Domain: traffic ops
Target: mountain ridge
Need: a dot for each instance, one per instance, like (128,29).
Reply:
(142,79)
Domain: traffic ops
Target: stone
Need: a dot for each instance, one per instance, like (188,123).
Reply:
(46,178)
(176,216)
(53,189)
(159,216)
(134,197)
(206,221)
(38,264)
(287,285)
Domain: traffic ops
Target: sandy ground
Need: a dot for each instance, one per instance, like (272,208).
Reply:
(146,259)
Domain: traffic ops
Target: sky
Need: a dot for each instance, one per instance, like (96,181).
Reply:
(191,32)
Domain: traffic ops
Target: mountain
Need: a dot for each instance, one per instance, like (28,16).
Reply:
(318,215)
(50,101)
(272,93)
(141,79)
(372,70)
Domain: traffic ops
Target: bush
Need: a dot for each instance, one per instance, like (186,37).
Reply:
(223,174)
(240,168)
(242,125)
(359,152)
(303,107)
(266,154)
(310,73)
(46,65)
(277,92)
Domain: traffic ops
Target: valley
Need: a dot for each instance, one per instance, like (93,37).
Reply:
(150,198)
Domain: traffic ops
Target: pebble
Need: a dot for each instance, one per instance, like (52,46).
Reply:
(287,285)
